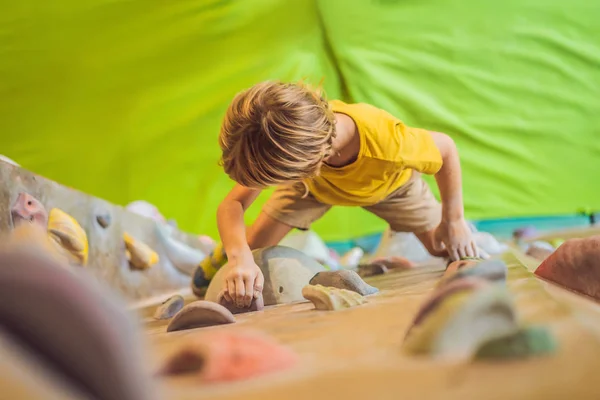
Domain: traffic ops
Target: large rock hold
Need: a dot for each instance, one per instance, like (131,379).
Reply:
(575,265)
(68,325)
(461,319)
(286,272)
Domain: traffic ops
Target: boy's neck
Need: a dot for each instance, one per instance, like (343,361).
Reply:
(346,143)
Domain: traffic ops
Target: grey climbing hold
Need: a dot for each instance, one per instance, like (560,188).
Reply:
(343,279)
(185,258)
(366,270)
(490,270)
(286,272)
(169,307)
(200,314)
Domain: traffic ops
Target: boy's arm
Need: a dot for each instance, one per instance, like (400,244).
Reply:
(453,230)
(243,279)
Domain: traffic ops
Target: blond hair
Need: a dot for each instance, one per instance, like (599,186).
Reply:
(275,133)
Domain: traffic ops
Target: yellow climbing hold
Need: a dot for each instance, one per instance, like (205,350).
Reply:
(330,298)
(139,255)
(69,235)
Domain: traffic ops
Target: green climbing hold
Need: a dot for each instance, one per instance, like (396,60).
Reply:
(528,342)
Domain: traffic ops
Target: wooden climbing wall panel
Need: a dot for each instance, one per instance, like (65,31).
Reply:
(355,353)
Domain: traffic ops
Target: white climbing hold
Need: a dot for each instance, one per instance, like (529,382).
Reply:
(182,256)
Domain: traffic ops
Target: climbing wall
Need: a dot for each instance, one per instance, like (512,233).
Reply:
(357,352)
(107,260)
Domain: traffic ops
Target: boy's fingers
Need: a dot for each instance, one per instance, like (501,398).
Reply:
(454,255)
(468,250)
(231,289)
(474,249)
(249,292)
(225,295)
(240,291)
(259,283)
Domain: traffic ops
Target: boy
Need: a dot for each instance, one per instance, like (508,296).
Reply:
(321,154)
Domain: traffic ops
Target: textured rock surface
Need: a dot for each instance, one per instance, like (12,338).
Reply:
(169,307)
(575,265)
(286,272)
(200,314)
(343,279)
(229,356)
(330,298)
(106,259)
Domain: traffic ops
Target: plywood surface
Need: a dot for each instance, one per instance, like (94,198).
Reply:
(355,353)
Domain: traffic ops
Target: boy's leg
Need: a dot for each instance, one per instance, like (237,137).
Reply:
(413,208)
(287,208)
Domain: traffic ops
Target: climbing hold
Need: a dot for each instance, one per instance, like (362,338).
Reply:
(185,258)
(527,342)
(524,233)
(139,255)
(27,208)
(556,242)
(169,307)
(454,266)
(200,314)
(575,265)
(343,279)
(394,262)
(439,295)
(69,235)
(330,298)
(540,250)
(104,220)
(286,272)
(490,270)
(256,305)
(366,270)
(463,322)
(352,258)
(145,209)
(229,356)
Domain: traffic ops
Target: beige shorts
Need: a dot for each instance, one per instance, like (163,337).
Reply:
(411,208)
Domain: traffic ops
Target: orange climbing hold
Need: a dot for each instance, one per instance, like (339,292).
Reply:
(229,356)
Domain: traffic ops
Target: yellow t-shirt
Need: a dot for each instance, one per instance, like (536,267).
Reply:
(389,151)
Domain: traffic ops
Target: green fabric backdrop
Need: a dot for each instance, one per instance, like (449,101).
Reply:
(123,99)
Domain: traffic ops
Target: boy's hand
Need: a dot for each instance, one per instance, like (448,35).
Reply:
(457,238)
(243,281)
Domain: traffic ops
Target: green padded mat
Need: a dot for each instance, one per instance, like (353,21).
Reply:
(123,99)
